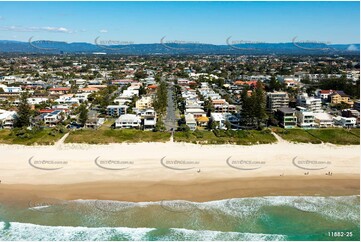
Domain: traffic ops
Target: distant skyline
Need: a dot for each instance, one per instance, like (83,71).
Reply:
(182,22)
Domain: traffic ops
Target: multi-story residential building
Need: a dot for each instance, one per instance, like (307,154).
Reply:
(116,110)
(276,100)
(144,103)
(286,117)
(305,118)
(196,112)
(128,121)
(311,103)
(149,119)
(219,120)
(340,97)
(221,106)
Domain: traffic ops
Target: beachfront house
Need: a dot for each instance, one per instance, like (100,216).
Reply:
(190,122)
(53,118)
(7,119)
(346,122)
(219,120)
(305,118)
(128,121)
(286,117)
(323,120)
(149,119)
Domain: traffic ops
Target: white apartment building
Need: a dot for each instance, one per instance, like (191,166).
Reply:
(305,119)
(311,103)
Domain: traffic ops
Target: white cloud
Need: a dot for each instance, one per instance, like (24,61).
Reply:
(35,29)
(103,31)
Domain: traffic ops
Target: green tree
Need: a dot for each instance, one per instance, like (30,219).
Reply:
(24,112)
(83,114)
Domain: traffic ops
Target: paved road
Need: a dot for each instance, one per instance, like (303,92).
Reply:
(170,120)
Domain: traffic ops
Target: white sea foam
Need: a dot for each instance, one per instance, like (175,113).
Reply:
(26,231)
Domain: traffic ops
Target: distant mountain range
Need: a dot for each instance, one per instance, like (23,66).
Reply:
(54,47)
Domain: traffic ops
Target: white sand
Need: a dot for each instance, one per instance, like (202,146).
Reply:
(146,158)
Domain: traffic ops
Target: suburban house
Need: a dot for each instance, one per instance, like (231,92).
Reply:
(7,119)
(128,121)
(323,120)
(196,112)
(190,122)
(59,90)
(340,97)
(116,110)
(324,94)
(305,118)
(276,100)
(53,118)
(287,117)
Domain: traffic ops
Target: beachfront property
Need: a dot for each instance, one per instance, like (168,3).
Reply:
(54,118)
(148,119)
(276,100)
(323,120)
(345,122)
(305,118)
(93,121)
(190,122)
(219,120)
(7,119)
(128,121)
(286,117)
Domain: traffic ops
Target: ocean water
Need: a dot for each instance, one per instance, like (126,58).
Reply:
(259,218)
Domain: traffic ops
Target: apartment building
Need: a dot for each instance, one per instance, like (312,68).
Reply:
(116,110)
(276,100)
(305,118)
(287,117)
(312,104)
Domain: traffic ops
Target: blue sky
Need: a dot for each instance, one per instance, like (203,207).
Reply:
(204,22)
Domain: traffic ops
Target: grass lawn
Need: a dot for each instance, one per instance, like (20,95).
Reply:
(34,138)
(240,137)
(328,135)
(106,136)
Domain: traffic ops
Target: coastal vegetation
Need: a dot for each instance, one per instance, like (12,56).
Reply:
(316,136)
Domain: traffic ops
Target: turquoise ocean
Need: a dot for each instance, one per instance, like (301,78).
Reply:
(247,219)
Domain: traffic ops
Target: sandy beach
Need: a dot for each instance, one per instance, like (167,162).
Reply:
(164,171)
